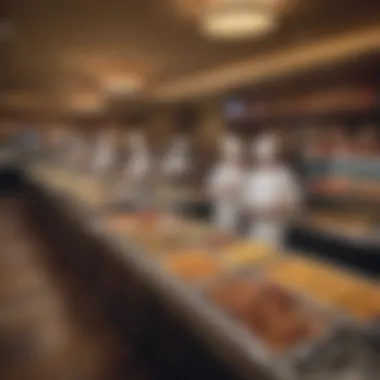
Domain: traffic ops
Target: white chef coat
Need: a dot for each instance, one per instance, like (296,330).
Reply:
(224,179)
(104,155)
(176,161)
(175,164)
(139,164)
(135,185)
(266,190)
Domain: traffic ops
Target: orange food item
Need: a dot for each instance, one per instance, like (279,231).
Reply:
(193,266)
(236,296)
(271,312)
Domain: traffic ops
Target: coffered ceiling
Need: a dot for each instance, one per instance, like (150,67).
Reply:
(63,47)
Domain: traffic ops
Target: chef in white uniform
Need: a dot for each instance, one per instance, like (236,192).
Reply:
(175,169)
(272,193)
(139,162)
(138,169)
(177,162)
(226,185)
(104,152)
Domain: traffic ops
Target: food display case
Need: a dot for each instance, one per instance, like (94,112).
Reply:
(281,315)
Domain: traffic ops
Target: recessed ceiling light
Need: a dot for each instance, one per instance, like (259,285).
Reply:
(231,19)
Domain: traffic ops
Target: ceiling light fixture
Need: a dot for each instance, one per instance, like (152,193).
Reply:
(123,85)
(235,19)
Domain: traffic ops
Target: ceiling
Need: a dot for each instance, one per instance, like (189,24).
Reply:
(62,47)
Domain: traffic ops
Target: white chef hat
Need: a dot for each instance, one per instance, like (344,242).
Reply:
(231,146)
(265,147)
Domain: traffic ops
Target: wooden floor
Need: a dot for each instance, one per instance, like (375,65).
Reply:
(47,331)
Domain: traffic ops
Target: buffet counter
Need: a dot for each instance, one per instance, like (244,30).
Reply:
(271,315)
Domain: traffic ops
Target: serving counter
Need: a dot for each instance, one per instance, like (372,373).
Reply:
(270,315)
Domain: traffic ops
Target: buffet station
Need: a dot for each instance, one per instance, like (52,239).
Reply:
(267,314)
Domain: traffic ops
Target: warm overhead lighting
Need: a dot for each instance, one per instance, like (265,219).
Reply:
(123,85)
(237,19)
(238,24)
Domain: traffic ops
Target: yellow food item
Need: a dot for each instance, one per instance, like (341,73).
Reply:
(347,292)
(193,265)
(245,253)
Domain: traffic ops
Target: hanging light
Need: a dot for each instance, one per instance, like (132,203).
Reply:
(233,19)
